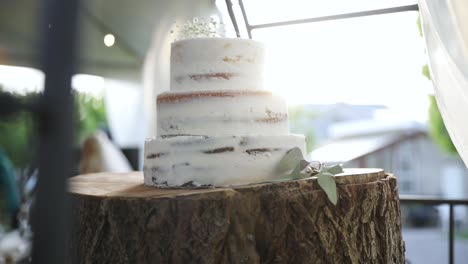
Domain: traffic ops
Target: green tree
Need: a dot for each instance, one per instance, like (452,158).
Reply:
(15,139)
(437,129)
(298,120)
(90,114)
(16,134)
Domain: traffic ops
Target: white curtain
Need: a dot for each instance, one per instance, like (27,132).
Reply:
(445,27)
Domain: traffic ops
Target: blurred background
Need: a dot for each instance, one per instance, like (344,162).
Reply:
(358,88)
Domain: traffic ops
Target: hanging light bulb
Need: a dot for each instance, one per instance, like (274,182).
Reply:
(109,40)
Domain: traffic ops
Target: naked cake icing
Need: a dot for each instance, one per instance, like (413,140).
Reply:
(217,126)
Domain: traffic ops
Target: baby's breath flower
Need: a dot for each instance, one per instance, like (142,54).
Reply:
(198,28)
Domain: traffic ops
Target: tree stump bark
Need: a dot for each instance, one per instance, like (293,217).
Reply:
(119,220)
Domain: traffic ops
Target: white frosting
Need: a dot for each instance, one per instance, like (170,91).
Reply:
(216,93)
(218,161)
(216,63)
(222,114)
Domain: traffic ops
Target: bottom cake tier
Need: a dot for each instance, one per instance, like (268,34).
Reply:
(217,161)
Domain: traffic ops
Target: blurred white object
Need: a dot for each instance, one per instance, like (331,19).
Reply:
(100,154)
(13,247)
(125,112)
(445,27)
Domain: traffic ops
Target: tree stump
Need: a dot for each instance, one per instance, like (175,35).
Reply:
(119,220)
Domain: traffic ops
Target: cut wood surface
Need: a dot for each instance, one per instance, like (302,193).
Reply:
(119,220)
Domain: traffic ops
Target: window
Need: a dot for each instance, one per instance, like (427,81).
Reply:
(365,60)
(270,11)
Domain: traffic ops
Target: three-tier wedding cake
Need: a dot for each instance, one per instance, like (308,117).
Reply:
(217,126)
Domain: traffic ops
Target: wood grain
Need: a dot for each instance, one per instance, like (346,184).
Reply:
(119,220)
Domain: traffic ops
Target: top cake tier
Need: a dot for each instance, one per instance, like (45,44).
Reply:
(216,64)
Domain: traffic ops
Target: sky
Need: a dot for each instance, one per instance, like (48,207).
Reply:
(367,60)
(22,80)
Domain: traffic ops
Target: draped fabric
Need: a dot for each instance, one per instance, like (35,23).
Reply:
(445,28)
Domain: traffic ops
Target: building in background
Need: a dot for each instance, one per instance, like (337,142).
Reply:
(317,119)
(406,150)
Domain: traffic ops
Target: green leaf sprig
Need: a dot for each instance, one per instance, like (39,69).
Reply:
(294,166)
(326,180)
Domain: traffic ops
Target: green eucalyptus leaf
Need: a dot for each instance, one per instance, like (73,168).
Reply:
(303,164)
(298,175)
(297,172)
(280,178)
(289,161)
(327,183)
(336,169)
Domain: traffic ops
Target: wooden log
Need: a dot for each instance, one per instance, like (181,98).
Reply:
(119,220)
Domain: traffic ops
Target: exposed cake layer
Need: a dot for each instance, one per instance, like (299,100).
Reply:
(218,161)
(222,113)
(216,63)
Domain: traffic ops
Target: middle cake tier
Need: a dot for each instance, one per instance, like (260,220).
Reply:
(221,113)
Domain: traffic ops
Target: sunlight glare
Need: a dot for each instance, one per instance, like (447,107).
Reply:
(372,60)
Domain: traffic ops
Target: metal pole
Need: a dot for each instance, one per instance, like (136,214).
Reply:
(246,21)
(451,234)
(50,216)
(326,18)
(233,17)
